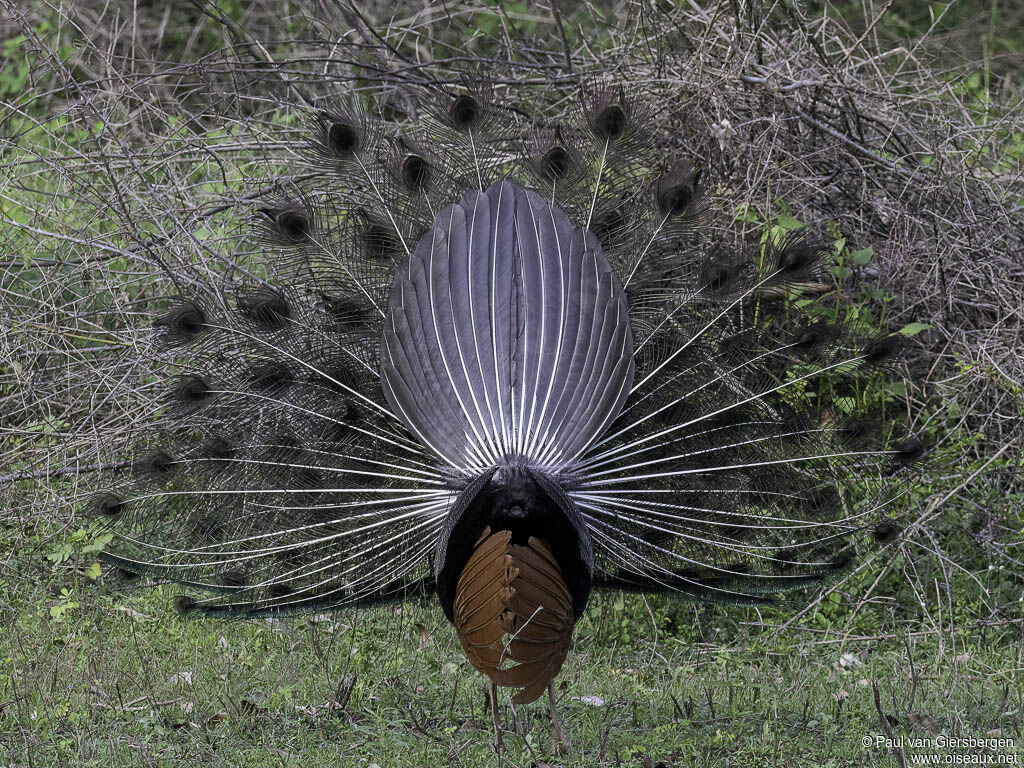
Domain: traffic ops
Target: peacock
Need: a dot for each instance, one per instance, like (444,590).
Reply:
(508,363)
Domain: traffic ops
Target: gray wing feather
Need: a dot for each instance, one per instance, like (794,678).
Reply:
(507,338)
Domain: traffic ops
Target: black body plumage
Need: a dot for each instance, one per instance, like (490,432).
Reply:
(448,335)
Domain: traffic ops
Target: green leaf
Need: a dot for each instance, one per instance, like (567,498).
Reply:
(912,329)
(99,545)
(787,222)
(746,212)
(863,256)
(60,554)
(845,405)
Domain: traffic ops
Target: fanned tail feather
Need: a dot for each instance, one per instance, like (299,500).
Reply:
(544,301)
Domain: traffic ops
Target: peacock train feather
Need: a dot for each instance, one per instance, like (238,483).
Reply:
(509,369)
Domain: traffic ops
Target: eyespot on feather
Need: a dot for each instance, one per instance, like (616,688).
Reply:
(717,276)
(796,256)
(416,172)
(615,119)
(555,163)
(265,307)
(842,561)
(309,477)
(610,123)
(219,449)
(732,532)
(209,530)
(378,242)
(464,112)
(338,376)
(677,190)
(737,569)
(345,411)
(885,532)
(182,323)
(292,225)
(191,390)
(284,447)
(736,347)
(783,560)
(794,419)
(819,501)
(270,378)
(343,137)
(339,430)
(108,504)
(882,350)
(909,451)
(351,313)
(729,419)
(854,431)
(184,604)
(812,338)
(158,464)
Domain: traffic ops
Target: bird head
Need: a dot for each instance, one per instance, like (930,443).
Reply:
(515,504)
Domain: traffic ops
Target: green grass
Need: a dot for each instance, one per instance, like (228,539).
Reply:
(94,672)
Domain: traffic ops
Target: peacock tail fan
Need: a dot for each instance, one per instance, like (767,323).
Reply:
(469,342)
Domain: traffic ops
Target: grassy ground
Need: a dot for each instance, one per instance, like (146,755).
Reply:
(97,672)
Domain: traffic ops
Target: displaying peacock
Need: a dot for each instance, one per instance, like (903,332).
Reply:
(510,366)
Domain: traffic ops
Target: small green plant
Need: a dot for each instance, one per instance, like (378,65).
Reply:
(79,546)
(60,610)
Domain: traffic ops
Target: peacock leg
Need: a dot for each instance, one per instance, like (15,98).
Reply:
(492,695)
(559,744)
